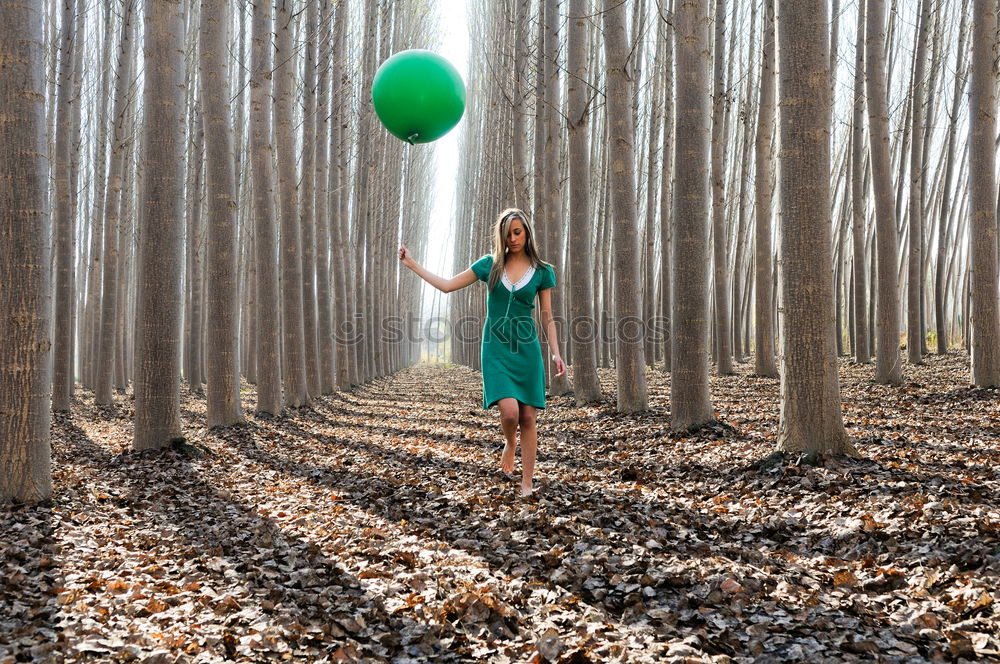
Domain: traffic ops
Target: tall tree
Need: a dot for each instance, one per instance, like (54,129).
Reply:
(64,224)
(158,289)
(915,264)
(586,386)
(888,367)
(25,236)
(764,364)
(307,209)
(811,418)
(689,398)
(630,366)
(293,356)
(268,351)
(862,352)
(983,196)
(112,210)
(222,356)
(720,268)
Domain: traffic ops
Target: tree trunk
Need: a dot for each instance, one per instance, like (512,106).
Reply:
(985,315)
(586,386)
(811,418)
(689,398)
(222,338)
(630,363)
(859,179)
(293,333)
(112,212)
(65,233)
(25,235)
(914,280)
(159,304)
(308,207)
(269,398)
(888,369)
(723,334)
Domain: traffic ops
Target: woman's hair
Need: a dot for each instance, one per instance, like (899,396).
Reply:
(500,229)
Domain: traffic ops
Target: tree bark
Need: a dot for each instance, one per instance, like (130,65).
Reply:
(723,333)
(985,314)
(269,397)
(586,386)
(159,304)
(811,418)
(630,366)
(859,180)
(689,397)
(25,236)
(222,338)
(888,367)
(293,332)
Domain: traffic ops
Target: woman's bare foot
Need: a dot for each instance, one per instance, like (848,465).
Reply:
(527,489)
(507,459)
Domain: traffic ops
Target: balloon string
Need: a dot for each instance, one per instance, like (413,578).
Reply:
(409,139)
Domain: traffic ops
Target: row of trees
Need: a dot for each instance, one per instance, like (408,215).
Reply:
(229,205)
(218,202)
(694,163)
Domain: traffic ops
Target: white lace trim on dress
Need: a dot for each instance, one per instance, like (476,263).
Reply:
(521,283)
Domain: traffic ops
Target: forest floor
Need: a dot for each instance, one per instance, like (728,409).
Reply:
(375,527)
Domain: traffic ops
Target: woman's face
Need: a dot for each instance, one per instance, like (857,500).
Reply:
(516,236)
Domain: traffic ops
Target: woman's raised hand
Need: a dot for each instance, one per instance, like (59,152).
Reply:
(405,256)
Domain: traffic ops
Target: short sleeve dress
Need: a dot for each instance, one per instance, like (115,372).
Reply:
(511,353)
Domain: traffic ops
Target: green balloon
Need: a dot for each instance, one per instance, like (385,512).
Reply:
(418,95)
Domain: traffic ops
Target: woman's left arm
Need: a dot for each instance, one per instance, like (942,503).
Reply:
(549,325)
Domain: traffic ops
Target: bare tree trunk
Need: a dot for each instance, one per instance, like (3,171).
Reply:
(112,212)
(25,236)
(764,364)
(222,339)
(65,233)
(586,386)
(195,248)
(629,357)
(689,398)
(325,312)
(723,335)
(293,333)
(985,315)
(159,305)
(859,180)
(915,281)
(269,398)
(307,209)
(961,76)
(666,185)
(888,368)
(811,418)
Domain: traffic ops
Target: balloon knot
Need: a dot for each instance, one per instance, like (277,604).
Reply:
(409,139)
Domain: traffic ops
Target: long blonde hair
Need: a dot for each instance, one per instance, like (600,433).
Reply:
(500,229)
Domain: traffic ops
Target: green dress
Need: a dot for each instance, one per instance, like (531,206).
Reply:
(511,354)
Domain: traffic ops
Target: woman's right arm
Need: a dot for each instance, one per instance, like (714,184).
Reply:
(459,281)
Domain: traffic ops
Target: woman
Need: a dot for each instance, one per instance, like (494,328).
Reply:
(513,370)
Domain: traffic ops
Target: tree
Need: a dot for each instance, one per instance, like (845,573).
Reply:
(983,195)
(811,418)
(222,358)
(294,360)
(269,397)
(764,364)
(862,352)
(25,236)
(689,398)
(112,211)
(723,332)
(158,290)
(586,387)
(64,225)
(888,367)
(629,352)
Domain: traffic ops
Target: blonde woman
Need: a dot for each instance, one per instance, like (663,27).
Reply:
(513,369)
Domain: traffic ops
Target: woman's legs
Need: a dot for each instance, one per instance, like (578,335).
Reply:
(529,445)
(508,422)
